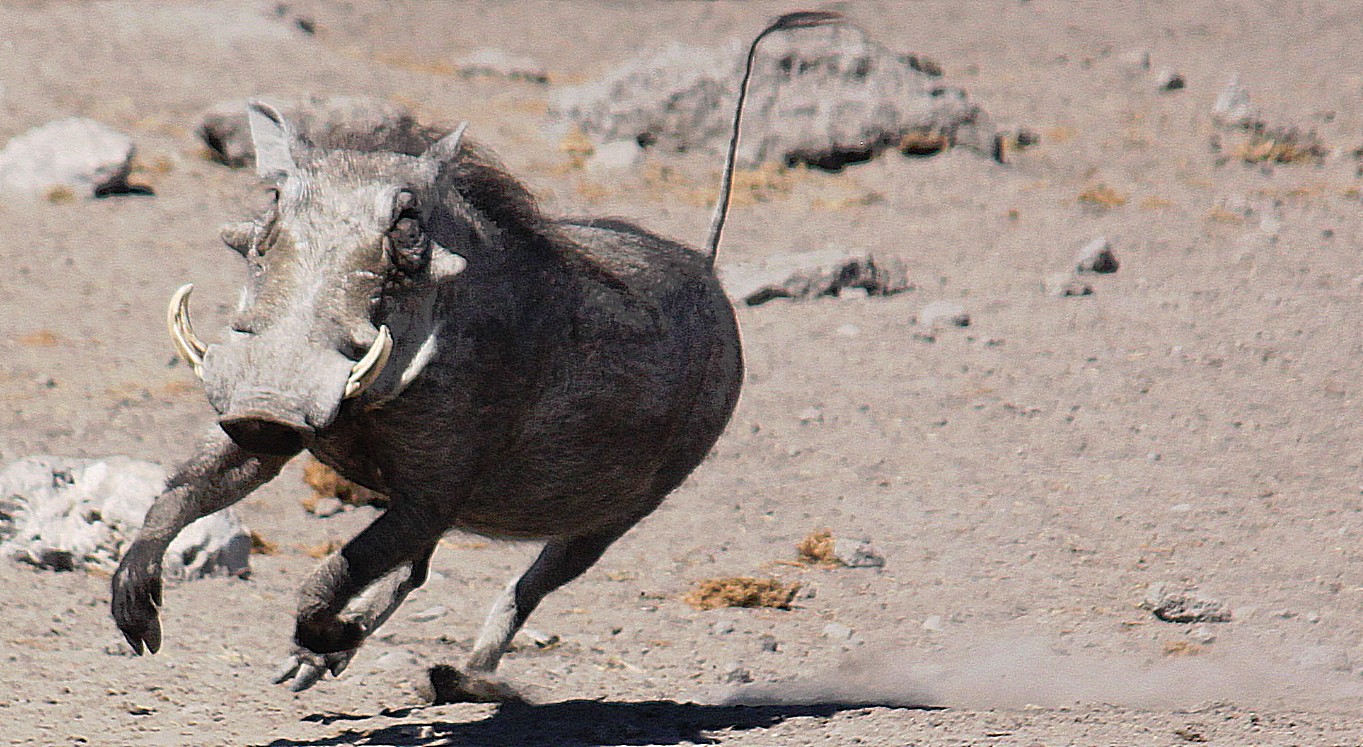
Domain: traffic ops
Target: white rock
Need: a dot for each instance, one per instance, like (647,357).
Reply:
(838,632)
(76,153)
(857,554)
(1066,285)
(1096,257)
(68,514)
(1170,80)
(617,155)
(933,624)
(944,314)
(496,63)
(427,615)
(1233,107)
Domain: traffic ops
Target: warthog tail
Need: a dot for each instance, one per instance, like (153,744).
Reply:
(797,20)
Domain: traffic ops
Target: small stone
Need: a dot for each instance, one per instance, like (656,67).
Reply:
(736,674)
(427,615)
(1202,634)
(1170,80)
(1096,257)
(1184,605)
(1067,285)
(722,627)
(327,506)
(539,638)
(847,330)
(857,554)
(933,624)
(838,632)
(617,155)
(1136,60)
(810,415)
(943,314)
(495,63)
(769,643)
(1233,108)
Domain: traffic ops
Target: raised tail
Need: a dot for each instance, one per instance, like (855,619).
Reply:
(797,20)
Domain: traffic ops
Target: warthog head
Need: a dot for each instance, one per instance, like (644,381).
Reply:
(344,227)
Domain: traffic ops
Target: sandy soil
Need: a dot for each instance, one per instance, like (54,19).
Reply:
(1193,422)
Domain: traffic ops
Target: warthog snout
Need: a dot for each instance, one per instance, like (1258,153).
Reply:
(264,433)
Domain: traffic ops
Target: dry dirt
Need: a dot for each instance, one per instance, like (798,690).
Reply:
(1193,422)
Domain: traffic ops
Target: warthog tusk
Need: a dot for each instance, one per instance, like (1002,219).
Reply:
(368,368)
(182,332)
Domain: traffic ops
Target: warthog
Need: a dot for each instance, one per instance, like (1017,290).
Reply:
(419,326)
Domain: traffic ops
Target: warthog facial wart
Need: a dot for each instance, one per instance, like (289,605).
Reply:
(418,325)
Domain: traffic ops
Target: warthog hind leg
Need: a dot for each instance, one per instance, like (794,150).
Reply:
(561,560)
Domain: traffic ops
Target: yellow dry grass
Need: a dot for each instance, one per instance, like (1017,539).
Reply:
(741,591)
(1101,196)
(817,549)
(325,483)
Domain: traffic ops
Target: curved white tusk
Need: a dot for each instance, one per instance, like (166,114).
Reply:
(368,368)
(182,332)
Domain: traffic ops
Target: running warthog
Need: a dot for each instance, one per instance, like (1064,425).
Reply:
(419,326)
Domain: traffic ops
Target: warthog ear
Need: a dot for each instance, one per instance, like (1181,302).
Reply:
(446,148)
(445,263)
(273,140)
(238,236)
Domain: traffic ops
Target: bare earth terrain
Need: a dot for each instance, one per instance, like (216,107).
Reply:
(1028,478)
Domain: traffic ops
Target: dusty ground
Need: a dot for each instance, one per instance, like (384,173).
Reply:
(1193,422)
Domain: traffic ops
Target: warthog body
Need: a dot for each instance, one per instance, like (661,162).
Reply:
(419,326)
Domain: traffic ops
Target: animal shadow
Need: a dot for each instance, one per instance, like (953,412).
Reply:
(582,723)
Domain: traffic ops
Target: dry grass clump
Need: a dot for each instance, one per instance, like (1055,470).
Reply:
(741,591)
(923,142)
(323,549)
(1281,146)
(817,549)
(1101,196)
(262,546)
(326,483)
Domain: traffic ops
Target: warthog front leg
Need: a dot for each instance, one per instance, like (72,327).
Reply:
(221,474)
(397,537)
(303,668)
(561,560)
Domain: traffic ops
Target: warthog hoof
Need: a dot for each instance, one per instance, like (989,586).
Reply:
(446,684)
(328,635)
(304,668)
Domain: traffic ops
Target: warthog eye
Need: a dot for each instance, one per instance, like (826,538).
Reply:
(407,243)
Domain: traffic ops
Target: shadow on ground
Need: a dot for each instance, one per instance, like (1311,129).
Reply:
(574,723)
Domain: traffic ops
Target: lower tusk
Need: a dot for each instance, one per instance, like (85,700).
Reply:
(368,368)
(182,332)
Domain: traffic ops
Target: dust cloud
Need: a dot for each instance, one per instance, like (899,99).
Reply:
(1014,675)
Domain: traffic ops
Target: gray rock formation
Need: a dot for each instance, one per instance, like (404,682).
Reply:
(78,156)
(357,122)
(825,96)
(69,514)
(802,275)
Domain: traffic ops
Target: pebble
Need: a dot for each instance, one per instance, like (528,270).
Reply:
(857,554)
(1233,107)
(722,627)
(328,506)
(943,314)
(934,624)
(847,330)
(769,643)
(617,155)
(1096,257)
(1067,285)
(1170,80)
(839,632)
(736,674)
(427,615)
(539,638)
